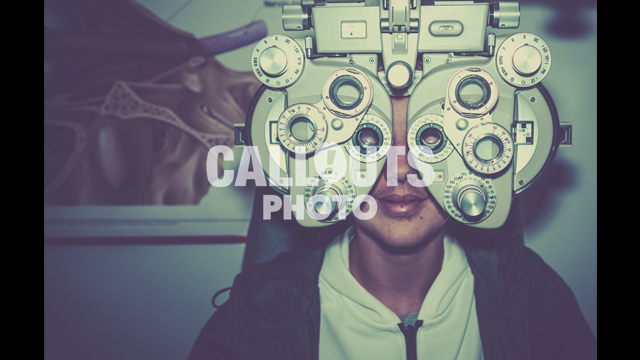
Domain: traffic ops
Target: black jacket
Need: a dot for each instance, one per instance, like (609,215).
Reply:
(525,310)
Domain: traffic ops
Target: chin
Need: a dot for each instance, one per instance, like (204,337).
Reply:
(405,230)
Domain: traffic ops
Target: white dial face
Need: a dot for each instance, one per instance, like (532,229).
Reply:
(427,140)
(465,181)
(488,148)
(523,59)
(277,61)
(371,140)
(324,192)
(302,128)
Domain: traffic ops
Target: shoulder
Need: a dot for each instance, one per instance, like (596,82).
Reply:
(297,269)
(517,289)
(557,326)
(501,258)
(278,290)
(269,307)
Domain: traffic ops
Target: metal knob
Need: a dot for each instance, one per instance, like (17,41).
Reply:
(399,75)
(296,17)
(527,60)
(326,205)
(273,61)
(471,201)
(505,15)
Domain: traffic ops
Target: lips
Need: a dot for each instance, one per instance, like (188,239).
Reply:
(395,205)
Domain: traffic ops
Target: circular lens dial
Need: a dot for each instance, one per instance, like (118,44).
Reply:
(472,92)
(371,141)
(427,140)
(488,148)
(302,128)
(347,93)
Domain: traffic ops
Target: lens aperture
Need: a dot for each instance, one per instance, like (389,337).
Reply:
(346,92)
(473,92)
(488,148)
(431,137)
(302,129)
(368,137)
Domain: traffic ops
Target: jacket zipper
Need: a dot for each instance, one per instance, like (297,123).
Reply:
(410,337)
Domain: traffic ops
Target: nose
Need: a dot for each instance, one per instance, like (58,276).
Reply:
(397,162)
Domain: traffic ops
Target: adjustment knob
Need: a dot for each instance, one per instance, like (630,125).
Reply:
(273,61)
(523,60)
(319,196)
(471,201)
(505,15)
(399,75)
(277,61)
(325,204)
(296,18)
(469,198)
(526,60)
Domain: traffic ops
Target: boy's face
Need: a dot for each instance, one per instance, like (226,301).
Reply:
(406,214)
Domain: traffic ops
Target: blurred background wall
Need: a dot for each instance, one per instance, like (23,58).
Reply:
(147,298)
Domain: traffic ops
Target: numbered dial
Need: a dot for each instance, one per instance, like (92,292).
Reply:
(472,92)
(347,92)
(469,198)
(427,141)
(488,148)
(277,61)
(371,140)
(302,128)
(523,59)
(329,201)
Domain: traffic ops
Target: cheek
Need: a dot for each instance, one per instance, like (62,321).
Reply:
(435,213)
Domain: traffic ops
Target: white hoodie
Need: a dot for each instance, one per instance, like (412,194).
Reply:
(355,325)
